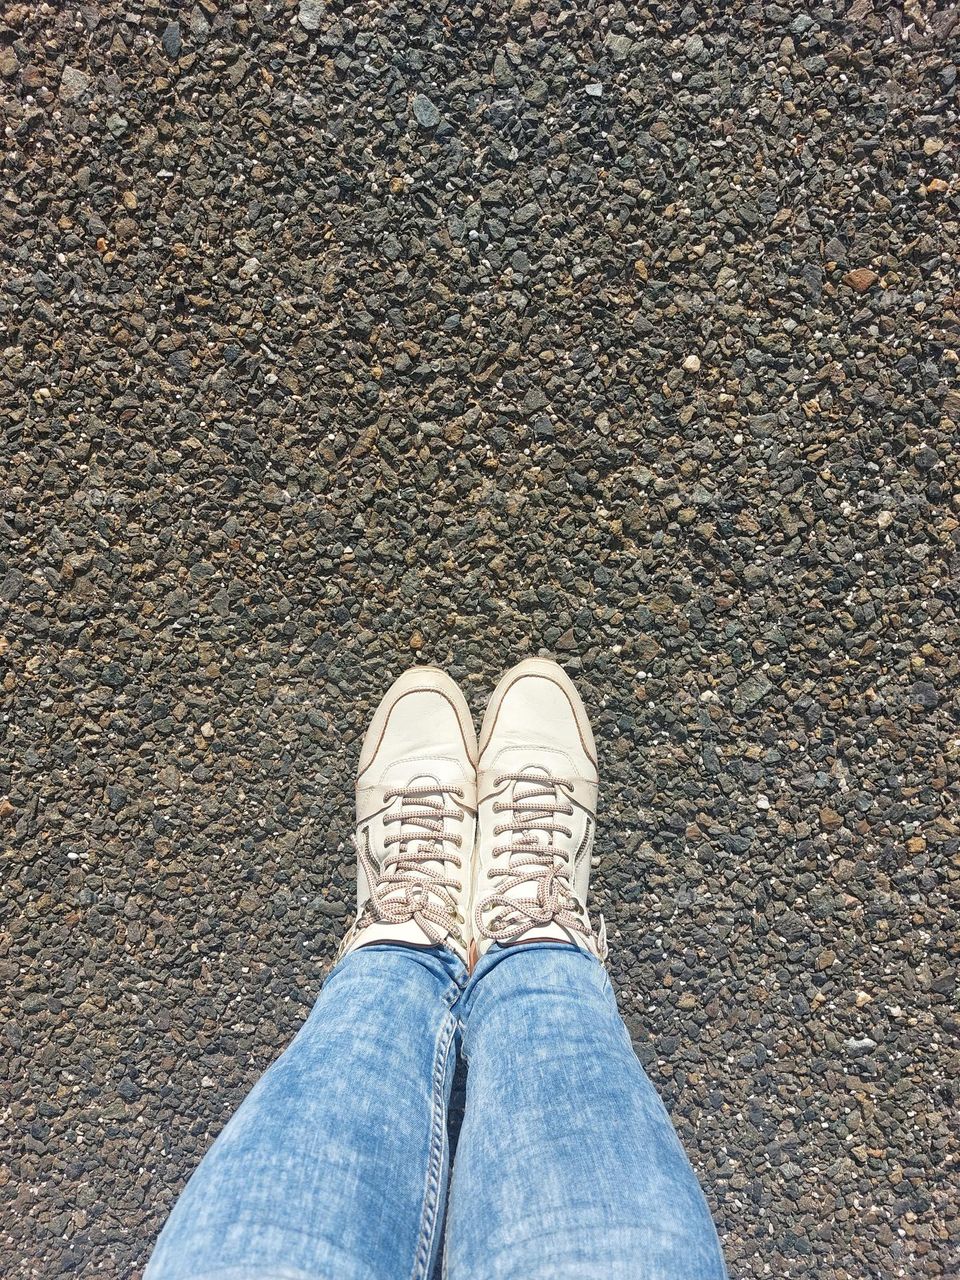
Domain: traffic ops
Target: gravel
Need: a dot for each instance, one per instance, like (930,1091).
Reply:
(425,111)
(342,337)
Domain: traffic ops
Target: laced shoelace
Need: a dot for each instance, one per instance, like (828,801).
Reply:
(405,887)
(538,799)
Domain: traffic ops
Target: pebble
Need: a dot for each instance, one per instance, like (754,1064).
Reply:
(750,692)
(171,40)
(311,14)
(427,115)
(619,45)
(74,83)
(830,819)
(861,279)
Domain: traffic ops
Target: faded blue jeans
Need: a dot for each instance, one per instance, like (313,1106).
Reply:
(335,1167)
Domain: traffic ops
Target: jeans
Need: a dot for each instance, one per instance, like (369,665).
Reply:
(336,1166)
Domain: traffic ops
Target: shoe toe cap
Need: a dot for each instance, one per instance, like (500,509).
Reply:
(421,723)
(539,711)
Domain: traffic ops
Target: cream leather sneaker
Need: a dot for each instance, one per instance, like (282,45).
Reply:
(537,784)
(416,817)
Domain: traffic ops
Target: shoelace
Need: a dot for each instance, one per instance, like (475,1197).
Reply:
(404,887)
(538,798)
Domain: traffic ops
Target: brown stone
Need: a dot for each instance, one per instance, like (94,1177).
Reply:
(830,820)
(861,279)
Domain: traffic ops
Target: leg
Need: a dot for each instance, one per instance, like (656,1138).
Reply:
(568,1167)
(334,1168)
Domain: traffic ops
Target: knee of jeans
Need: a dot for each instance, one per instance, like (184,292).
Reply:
(671,1239)
(610,1253)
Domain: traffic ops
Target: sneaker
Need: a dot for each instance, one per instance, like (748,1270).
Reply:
(537,783)
(416,817)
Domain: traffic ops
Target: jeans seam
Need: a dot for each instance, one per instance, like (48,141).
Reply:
(438,1138)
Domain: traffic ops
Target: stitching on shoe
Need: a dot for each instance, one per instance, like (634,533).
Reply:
(417,759)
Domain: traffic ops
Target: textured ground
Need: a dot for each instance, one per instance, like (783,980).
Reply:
(340,337)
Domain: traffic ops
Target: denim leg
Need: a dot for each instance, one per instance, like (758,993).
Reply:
(568,1167)
(335,1165)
